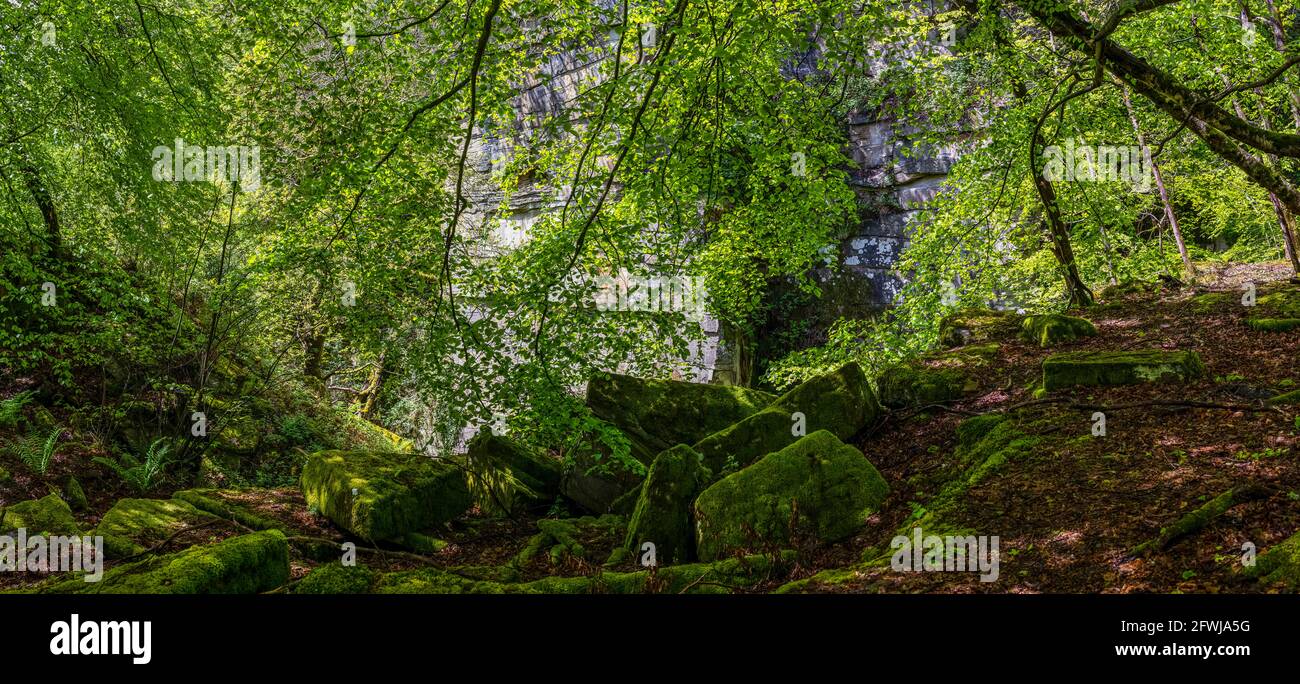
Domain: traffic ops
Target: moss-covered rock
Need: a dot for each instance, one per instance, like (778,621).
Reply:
(917,385)
(247,564)
(1120,368)
(1279,565)
(663,512)
(380,496)
(841,402)
(336,578)
(817,486)
(74,494)
(660,414)
(510,475)
(977,325)
(1273,324)
(1049,330)
(133,525)
(48,515)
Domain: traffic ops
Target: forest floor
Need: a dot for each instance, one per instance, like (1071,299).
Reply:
(1068,514)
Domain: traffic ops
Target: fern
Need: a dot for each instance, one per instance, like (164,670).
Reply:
(11,409)
(141,475)
(37,450)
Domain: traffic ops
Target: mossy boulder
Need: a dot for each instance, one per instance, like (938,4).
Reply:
(975,325)
(841,402)
(336,578)
(1285,303)
(1120,368)
(495,458)
(383,496)
(134,525)
(1049,330)
(247,564)
(918,385)
(1280,564)
(48,515)
(1273,324)
(660,414)
(663,512)
(817,486)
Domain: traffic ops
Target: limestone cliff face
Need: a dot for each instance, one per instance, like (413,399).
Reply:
(893,176)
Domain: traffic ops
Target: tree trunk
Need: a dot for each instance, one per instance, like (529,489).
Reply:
(1188,268)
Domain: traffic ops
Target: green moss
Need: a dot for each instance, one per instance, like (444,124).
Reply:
(224,504)
(818,486)
(1119,368)
(1285,302)
(1128,287)
(660,414)
(48,515)
(1285,399)
(721,577)
(1280,564)
(841,402)
(977,325)
(336,578)
(74,494)
(422,543)
(1273,324)
(1048,330)
(247,564)
(1201,517)
(910,385)
(133,525)
(562,539)
(394,493)
(1205,303)
(663,511)
(435,581)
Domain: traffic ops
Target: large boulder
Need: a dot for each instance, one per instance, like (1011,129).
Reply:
(1120,368)
(974,325)
(818,487)
(660,414)
(491,456)
(1049,330)
(841,402)
(663,512)
(48,515)
(247,564)
(913,385)
(133,525)
(383,496)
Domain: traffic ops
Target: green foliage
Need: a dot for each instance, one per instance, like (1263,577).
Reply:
(11,409)
(141,475)
(37,448)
